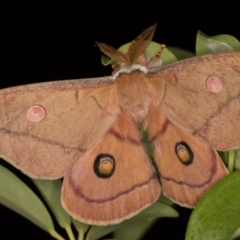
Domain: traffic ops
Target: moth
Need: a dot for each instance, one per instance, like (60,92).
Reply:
(87,131)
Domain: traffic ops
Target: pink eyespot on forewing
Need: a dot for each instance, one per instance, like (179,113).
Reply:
(36,113)
(214,84)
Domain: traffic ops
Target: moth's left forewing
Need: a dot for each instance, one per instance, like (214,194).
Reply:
(76,113)
(201,95)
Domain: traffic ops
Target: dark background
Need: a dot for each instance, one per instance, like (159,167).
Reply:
(46,42)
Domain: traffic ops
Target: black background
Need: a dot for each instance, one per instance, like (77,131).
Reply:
(46,42)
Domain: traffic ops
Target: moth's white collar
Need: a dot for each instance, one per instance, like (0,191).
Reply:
(129,69)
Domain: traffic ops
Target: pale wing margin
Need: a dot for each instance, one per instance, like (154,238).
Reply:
(78,113)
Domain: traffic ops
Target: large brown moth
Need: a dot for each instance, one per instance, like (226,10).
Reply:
(87,131)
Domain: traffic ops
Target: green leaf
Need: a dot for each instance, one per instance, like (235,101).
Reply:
(237,159)
(156,210)
(236,235)
(81,228)
(220,43)
(180,53)
(134,231)
(217,216)
(17,196)
(51,191)
(231,159)
(105,60)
